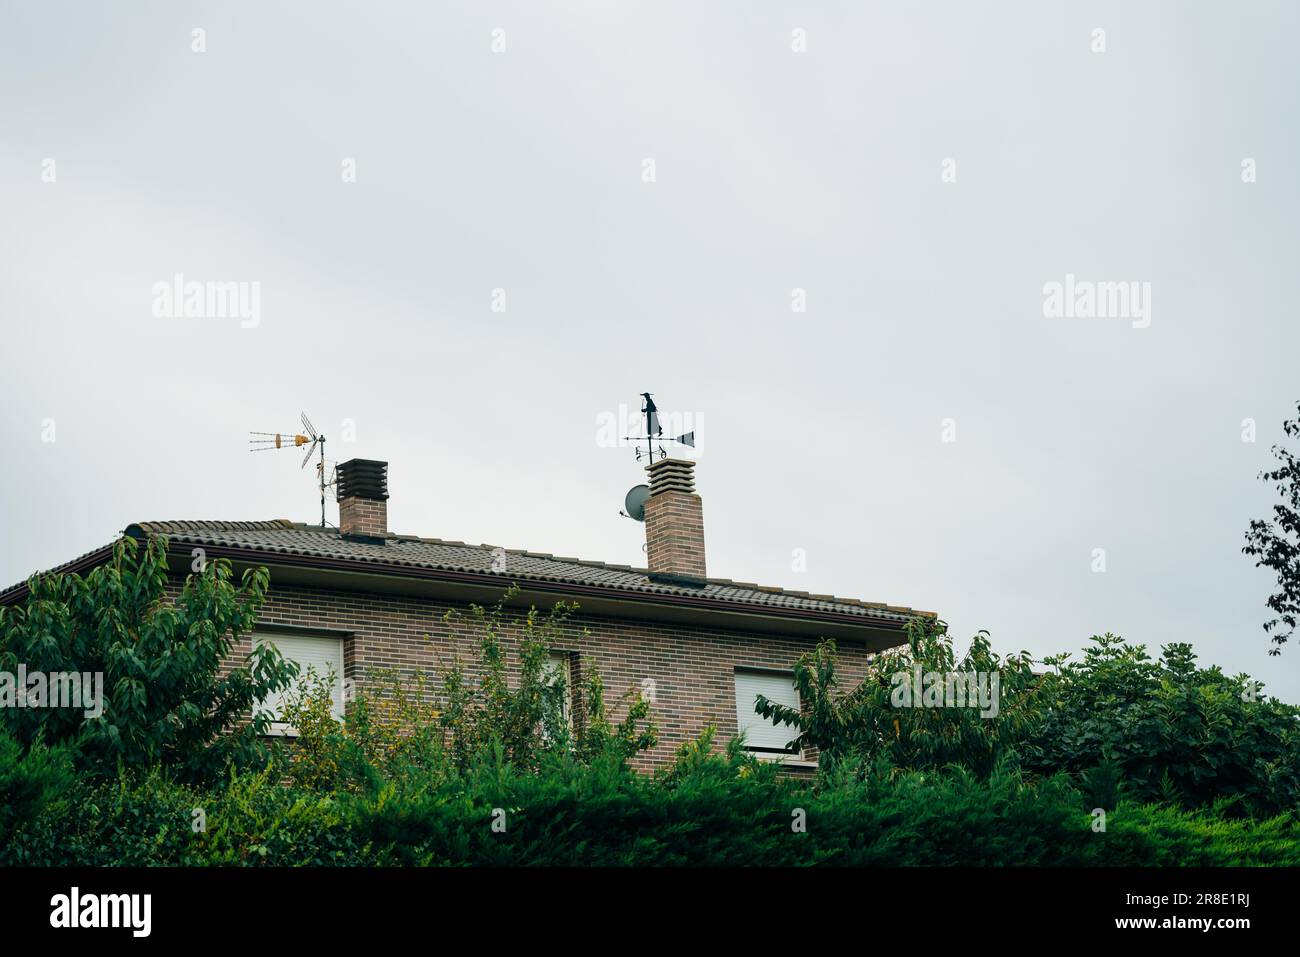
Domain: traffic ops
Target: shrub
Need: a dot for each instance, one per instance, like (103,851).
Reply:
(1173,731)
(707,810)
(396,727)
(320,756)
(30,780)
(410,733)
(528,720)
(1117,721)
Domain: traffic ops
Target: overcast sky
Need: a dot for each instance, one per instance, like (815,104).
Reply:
(923,430)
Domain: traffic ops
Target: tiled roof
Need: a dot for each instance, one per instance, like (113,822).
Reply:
(307,542)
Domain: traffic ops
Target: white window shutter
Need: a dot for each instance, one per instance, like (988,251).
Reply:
(322,656)
(761,734)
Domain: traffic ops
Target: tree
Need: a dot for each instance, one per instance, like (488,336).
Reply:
(874,723)
(1276,544)
(165,699)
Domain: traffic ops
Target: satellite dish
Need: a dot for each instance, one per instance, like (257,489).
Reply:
(634,502)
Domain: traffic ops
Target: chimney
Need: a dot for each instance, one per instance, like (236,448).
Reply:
(363,499)
(674,523)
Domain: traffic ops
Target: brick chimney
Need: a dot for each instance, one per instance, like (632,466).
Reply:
(674,523)
(363,499)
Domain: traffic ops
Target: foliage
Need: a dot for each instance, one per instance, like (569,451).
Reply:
(867,723)
(1275,544)
(407,730)
(529,719)
(1173,731)
(30,780)
(705,811)
(481,764)
(1119,722)
(320,755)
(166,699)
(396,727)
(148,819)
(595,735)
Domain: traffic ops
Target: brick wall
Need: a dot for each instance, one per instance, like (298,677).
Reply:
(692,668)
(674,534)
(363,516)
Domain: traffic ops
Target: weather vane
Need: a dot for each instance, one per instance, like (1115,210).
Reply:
(654,433)
(267,441)
(638,495)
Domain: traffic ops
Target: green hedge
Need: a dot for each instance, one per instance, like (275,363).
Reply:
(604,815)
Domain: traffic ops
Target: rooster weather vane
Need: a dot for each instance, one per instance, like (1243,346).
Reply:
(634,501)
(267,441)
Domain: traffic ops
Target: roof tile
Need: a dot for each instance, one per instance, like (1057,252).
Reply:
(289,538)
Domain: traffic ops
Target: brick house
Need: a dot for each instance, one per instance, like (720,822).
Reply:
(360,598)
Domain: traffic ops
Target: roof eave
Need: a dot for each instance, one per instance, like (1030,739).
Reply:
(874,632)
(370,576)
(18,592)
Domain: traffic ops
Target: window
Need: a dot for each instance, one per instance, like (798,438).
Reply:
(556,671)
(762,735)
(319,656)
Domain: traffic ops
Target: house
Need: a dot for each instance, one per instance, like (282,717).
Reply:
(363,600)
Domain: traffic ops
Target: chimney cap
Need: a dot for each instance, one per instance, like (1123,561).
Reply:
(672,475)
(363,478)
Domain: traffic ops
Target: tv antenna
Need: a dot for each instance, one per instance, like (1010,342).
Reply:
(313,440)
(634,501)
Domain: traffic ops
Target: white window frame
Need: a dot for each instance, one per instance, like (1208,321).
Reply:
(761,751)
(278,728)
